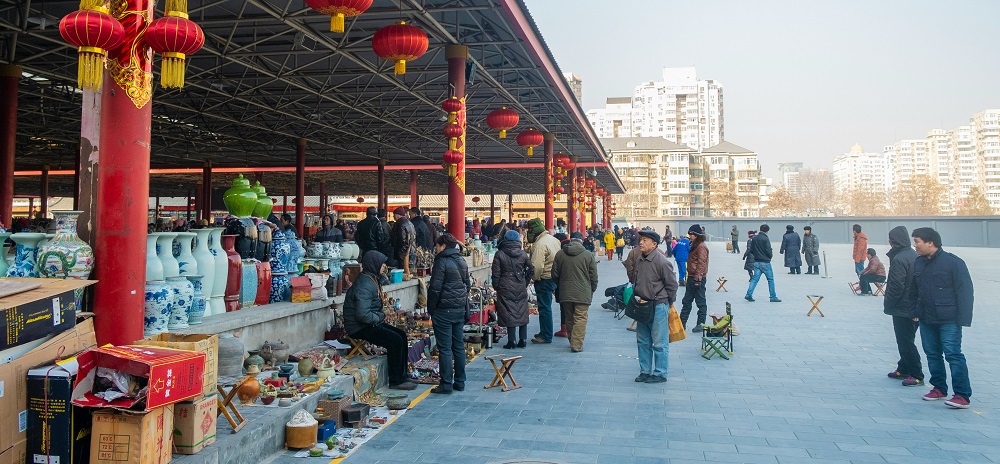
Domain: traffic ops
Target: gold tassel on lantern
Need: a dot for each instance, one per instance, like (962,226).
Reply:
(452,143)
(172,70)
(90,70)
(400,67)
(177,5)
(531,151)
(503,133)
(337,23)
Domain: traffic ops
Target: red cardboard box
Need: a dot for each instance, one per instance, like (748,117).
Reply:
(172,375)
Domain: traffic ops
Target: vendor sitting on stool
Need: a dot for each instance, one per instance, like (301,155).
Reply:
(364,319)
(875,272)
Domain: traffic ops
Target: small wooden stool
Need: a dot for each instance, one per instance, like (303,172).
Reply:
(855,287)
(358,347)
(225,403)
(879,289)
(503,371)
(815,305)
(722,284)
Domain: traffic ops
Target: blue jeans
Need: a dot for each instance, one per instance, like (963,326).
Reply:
(448,333)
(544,289)
(858,267)
(946,340)
(654,342)
(762,268)
(682,270)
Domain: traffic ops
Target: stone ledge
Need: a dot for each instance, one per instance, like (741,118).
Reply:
(235,320)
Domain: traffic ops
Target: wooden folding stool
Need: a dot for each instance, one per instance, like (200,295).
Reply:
(722,284)
(228,408)
(879,289)
(815,306)
(855,287)
(358,347)
(503,371)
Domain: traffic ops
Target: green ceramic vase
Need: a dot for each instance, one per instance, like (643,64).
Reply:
(264,204)
(240,199)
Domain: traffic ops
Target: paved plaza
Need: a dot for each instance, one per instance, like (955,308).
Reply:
(798,390)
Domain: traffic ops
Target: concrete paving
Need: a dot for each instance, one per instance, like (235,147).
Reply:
(798,390)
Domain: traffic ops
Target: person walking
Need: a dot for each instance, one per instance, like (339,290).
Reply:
(609,243)
(681,250)
(735,235)
(810,250)
(694,287)
(944,301)
(575,274)
(860,249)
(760,247)
(668,238)
(448,305)
(748,255)
(791,242)
(656,283)
(543,255)
(875,272)
(619,243)
(900,296)
(512,271)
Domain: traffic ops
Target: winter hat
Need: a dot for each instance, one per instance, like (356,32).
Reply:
(696,229)
(807,228)
(535,226)
(576,236)
(400,211)
(651,234)
(512,235)
(789,228)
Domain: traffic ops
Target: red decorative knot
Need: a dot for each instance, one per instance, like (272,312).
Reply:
(93,32)
(400,43)
(338,10)
(531,139)
(452,105)
(502,120)
(174,36)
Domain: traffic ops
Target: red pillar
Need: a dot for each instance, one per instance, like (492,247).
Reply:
(76,181)
(199,196)
(300,188)
(414,197)
(493,206)
(550,199)
(580,203)
(510,210)
(206,182)
(322,197)
(572,225)
(284,204)
(593,209)
(456,56)
(44,200)
(383,200)
(9,77)
(122,208)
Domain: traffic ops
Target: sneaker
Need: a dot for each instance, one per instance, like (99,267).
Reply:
(538,339)
(749,298)
(656,379)
(935,395)
(696,329)
(912,382)
(642,377)
(956,402)
(404,386)
(896,375)
(442,390)
(775,300)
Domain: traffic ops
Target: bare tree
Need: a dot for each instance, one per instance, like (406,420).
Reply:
(975,204)
(780,202)
(814,190)
(862,202)
(920,196)
(722,198)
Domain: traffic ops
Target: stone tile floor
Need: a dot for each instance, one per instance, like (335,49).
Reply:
(798,390)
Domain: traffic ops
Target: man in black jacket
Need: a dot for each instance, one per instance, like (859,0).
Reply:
(944,299)
(760,247)
(900,290)
(370,234)
(423,239)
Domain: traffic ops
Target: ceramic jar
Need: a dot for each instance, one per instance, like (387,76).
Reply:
(26,254)
(186,263)
(315,249)
(216,302)
(164,247)
(352,250)
(198,300)
(66,256)
(230,357)
(206,263)
(3,252)
(157,307)
(323,264)
(264,238)
(240,199)
(335,251)
(246,236)
(264,204)
(255,359)
(263,283)
(234,274)
(280,251)
(250,390)
(305,366)
(397,401)
(281,288)
(183,297)
(154,268)
(45,240)
(248,283)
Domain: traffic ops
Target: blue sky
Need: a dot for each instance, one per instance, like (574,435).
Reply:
(804,80)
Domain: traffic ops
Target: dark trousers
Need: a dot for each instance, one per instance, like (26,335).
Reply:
(909,357)
(394,342)
(694,290)
(448,333)
(736,245)
(866,282)
(513,331)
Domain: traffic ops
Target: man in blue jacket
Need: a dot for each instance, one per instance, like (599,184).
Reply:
(944,300)
(681,250)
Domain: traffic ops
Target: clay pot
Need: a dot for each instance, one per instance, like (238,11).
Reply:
(254,360)
(249,391)
(305,366)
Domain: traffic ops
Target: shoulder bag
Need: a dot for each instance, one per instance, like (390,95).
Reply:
(641,312)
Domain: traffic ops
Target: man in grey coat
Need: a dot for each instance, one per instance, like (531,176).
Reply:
(810,250)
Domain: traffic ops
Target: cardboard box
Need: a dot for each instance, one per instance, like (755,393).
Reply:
(58,432)
(13,377)
(194,424)
(208,344)
(33,314)
(301,289)
(16,454)
(171,375)
(124,437)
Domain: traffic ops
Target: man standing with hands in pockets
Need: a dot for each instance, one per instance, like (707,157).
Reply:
(655,282)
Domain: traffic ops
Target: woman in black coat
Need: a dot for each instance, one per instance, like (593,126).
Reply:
(512,270)
(448,303)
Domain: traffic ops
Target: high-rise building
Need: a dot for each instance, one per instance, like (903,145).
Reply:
(860,171)
(986,131)
(790,175)
(679,108)
(575,84)
(968,170)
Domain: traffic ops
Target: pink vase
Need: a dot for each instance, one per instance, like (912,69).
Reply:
(235,268)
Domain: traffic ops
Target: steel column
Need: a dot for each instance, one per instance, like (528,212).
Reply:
(414,197)
(322,198)
(493,206)
(10,75)
(456,56)
(550,199)
(383,202)
(300,188)
(206,182)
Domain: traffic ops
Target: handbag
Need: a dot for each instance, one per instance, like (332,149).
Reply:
(677,332)
(641,312)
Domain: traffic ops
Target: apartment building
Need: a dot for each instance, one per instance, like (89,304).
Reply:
(741,167)
(860,170)
(661,178)
(575,84)
(790,174)
(986,132)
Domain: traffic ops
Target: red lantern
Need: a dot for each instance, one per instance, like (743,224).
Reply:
(361,199)
(400,43)
(93,32)
(558,176)
(503,120)
(451,160)
(452,105)
(559,189)
(453,131)
(591,183)
(174,36)
(338,10)
(531,139)
(475,199)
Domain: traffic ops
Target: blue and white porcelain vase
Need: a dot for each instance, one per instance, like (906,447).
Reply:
(206,263)
(183,295)
(186,263)
(281,287)
(281,249)
(3,252)
(248,283)
(159,303)
(154,268)
(198,300)
(25,255)
(216,304)
(164,249)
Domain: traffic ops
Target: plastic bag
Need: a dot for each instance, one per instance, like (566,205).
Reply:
(677,332)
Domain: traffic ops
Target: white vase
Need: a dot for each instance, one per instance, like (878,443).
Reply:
(206,262)
(183,297)
(186,264)
(165,250)
(157,307)
(216,304)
